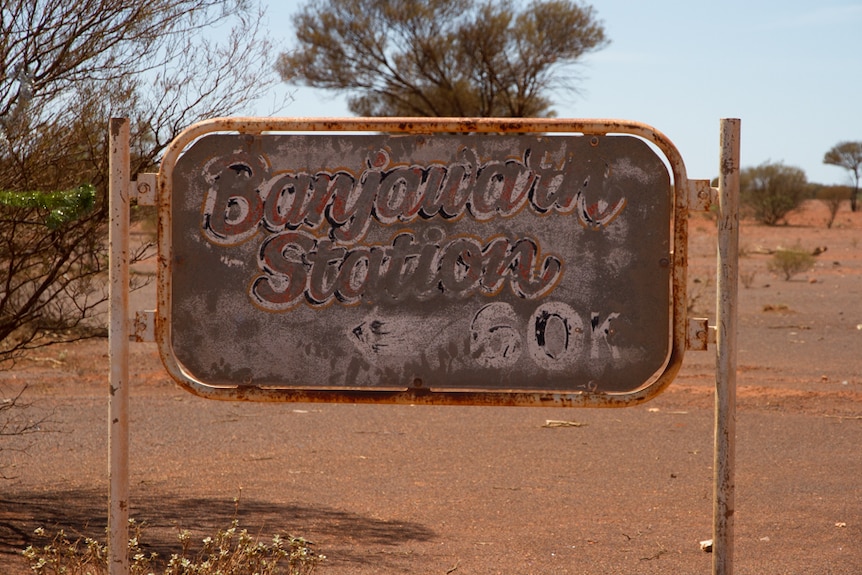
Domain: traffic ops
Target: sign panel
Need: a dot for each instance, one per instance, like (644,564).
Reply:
(491,263)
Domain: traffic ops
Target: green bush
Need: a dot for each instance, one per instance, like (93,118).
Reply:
(832,196)
(53,256)
(57,208)
(771,191)
(791,262)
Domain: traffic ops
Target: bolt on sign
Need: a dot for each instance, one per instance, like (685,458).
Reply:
(521,267)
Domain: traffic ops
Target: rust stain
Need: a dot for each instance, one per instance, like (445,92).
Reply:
(420,392)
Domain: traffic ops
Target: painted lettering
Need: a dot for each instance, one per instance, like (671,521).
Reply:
(295,266)
(558,336)
(555,336)
(243,196)
(233,207)
(601,332)
(495,339)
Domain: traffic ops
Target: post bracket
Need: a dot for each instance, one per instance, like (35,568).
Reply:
(143,327)
(143,189)
(701,195)
(700,334)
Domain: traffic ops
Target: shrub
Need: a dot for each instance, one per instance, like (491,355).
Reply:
(57,208)
(231,551)
(67,68)
(51,263)
(832,196)
(771,191)
(791,262)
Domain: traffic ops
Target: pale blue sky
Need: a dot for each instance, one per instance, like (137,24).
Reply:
(790,70)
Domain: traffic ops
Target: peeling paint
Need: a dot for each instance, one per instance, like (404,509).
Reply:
(364,262)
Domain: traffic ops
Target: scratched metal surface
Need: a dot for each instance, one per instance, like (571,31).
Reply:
(453,262)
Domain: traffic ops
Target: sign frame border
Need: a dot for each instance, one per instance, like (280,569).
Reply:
(427,126)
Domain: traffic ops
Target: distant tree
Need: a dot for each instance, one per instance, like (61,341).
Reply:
(772,190)
(847,155)
(67,68)
(465,58)
(832,196)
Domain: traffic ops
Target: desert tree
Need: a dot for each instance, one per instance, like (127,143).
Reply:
(832,197)
(464,58)
(771,190)
(67,67)
(847,155)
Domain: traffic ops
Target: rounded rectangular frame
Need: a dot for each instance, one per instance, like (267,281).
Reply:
(421,394)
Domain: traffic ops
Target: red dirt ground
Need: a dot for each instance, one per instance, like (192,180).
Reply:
(492,490)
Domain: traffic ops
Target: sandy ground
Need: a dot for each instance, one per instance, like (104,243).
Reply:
(402,489)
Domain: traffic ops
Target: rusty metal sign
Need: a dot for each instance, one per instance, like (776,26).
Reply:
(505,268)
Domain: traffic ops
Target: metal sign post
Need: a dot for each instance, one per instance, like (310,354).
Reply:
(118,335)
(726,312)
(426,261)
